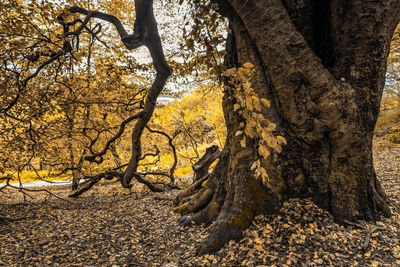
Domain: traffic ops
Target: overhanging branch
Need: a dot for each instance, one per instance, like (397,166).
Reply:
(145,33)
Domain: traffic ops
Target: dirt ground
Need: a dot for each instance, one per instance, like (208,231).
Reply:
(114,227)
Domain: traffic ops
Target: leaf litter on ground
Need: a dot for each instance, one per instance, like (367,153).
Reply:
(115,227)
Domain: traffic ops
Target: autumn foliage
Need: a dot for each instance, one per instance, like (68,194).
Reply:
(288,99)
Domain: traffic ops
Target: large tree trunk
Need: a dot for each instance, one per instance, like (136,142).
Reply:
(322,65)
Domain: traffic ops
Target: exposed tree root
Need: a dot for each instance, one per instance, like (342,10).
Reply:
(84,189)
(199,200)
(220,234)
(196,196)
(206,215)
(189,191)
(199,194)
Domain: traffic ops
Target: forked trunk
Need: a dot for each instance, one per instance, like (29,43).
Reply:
(322,66)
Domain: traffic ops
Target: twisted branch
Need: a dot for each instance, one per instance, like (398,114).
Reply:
(145,33)
(170,139)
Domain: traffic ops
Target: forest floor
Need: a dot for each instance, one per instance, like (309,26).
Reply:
(113,226)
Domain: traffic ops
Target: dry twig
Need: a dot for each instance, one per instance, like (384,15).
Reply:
(368,236)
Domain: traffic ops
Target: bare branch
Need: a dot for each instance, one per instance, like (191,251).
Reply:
(145,33)
(24,82)
(108,175)
(170,139)
(369,234)
(155,154)
(97,157)
(96,14)
(10,219)
(151,186)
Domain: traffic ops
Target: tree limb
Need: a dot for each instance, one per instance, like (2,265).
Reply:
(96,14)
(170,139)
(97,157)
(146,33)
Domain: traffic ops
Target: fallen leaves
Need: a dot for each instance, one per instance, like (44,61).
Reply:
(303,234)
(99,230)
(140,229)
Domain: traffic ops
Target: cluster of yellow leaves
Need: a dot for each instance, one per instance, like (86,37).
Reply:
(250,107)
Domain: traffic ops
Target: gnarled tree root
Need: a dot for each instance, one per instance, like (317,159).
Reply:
(219,235)
(206,215)
(195,197)
(189,191)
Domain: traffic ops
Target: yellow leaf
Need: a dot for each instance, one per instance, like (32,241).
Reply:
(236,106)
(264,175)
(248,65)
(243,142)
(238,133)
(249,104)
(263,151)
(258,240)
(247,87)
(249,131)
(272,142)
(254,165)
(272,126)
(256,103)
(259,248)
(265,135)
(229,72)
(265,102)
(281,139)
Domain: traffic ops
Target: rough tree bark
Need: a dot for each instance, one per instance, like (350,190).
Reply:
(322,65)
